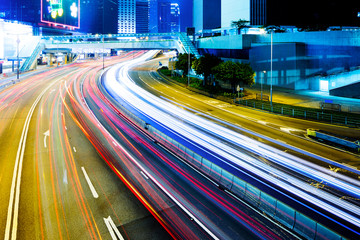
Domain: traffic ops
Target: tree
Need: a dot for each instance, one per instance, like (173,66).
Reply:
(205,64)
(235,73)
(240,24)
(182,62)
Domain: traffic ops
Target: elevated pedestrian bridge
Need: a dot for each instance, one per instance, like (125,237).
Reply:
(99,43)
(78,43)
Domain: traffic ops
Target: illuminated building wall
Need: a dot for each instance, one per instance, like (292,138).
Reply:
(127,16)
(168,17)
(233,10)
(175,17)
(206,14)
(142,16)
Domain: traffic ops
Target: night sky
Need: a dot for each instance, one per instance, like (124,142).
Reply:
(91,13)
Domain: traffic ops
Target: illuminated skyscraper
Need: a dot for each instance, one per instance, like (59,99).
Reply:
(153,16)
(142,16)
(175,17)
(168,17)
(127,16)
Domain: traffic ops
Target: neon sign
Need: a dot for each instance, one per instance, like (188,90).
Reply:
(63,13)
(55,8)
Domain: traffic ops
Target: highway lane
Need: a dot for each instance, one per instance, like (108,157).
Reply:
(145,164)
(53,198)
(158,112)
(284,129)
(150,81)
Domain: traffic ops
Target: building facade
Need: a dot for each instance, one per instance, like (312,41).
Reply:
(175,17)
(127,16)
(142,16)
(307,14)
(233,10)
(168,17)
(206,14)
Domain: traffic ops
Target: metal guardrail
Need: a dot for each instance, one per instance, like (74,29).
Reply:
(269,205)
(333,118)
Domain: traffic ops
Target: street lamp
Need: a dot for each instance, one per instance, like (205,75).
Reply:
(103,61)
(271,65)
(18,61)
(189,67)
(261,84)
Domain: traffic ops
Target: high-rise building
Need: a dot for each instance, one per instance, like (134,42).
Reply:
(206,14)
(127,16)
(258,12)
(164,11)
(317,14)
(233,10)
(168,17)
(21,10)
(307,13)
(142,16)
(174,17)
(153,16)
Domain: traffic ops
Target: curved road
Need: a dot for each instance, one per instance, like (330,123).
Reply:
(288,134)
(48,164)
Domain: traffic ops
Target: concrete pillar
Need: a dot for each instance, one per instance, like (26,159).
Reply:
(49,56)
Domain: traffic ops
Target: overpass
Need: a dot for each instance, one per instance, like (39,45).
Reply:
(82,44)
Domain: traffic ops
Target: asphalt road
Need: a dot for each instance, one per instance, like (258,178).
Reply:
(64,175)
(194,207)
(287,131)
(45,162)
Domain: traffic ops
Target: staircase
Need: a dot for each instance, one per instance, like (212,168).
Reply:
(188,45)
(33,57)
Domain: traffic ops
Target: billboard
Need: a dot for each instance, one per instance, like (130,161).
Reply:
(64,13)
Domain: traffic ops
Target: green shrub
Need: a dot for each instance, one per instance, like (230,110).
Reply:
(165,70)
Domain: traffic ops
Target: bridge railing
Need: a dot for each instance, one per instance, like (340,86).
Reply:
(186,44)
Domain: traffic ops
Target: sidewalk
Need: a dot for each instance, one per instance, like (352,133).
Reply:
(305,98)
(11,78)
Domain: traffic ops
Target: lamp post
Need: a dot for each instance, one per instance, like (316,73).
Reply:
(18,61)
(189,67)
(103,32)
(271,66)
(103,61)
(261,84)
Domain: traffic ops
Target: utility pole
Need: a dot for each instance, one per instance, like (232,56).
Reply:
(103,31)
(103,52)
(189,67)
(271,67)
(17,53)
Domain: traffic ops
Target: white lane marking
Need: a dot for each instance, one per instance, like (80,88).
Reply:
(92,188)
(74,149)
(46,134)
(152,178)
(13,209)
(289,130)
(114,232)
(262,122)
